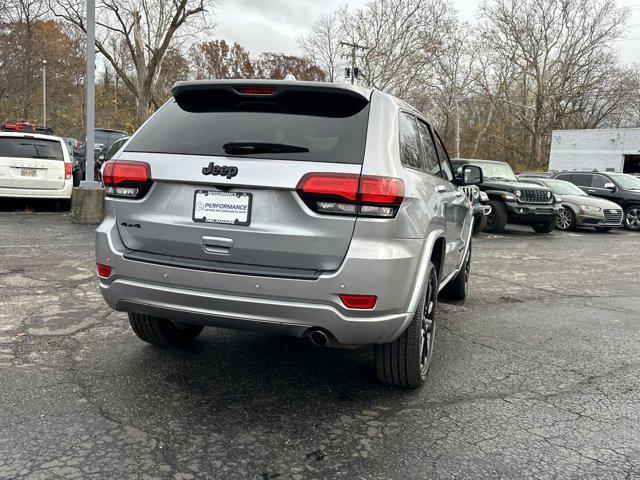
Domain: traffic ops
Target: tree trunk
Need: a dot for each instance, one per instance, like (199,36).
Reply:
(456,130)
(482,132)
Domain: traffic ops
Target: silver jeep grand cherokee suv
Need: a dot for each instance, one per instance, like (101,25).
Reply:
(310,209)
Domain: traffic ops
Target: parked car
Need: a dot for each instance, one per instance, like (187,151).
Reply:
(581,210)
(34,166)
(310,209)
(103,157)
(513,201)
(621,188)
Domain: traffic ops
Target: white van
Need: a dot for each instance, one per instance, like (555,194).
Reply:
(34,166)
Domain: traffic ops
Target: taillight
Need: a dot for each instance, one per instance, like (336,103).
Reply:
(126,178)
(255,90)
(68,170)
(351,194)
(104,271)
(363,302)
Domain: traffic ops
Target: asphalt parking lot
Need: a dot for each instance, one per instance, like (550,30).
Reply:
(537,375)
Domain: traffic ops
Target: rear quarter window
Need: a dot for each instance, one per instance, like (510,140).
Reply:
(332,126)
(23,147)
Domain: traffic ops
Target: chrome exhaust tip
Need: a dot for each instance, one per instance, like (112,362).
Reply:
(319,338)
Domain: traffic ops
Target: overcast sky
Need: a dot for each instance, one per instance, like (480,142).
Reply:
(274,25)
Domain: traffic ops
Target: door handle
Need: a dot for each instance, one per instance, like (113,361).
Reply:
(591,190)
(441,189)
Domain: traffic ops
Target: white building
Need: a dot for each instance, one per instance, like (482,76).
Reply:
(607,149)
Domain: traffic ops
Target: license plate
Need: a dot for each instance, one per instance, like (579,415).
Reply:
(231,208)
(28,172)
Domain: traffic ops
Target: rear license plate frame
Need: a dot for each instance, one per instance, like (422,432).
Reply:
(219,195)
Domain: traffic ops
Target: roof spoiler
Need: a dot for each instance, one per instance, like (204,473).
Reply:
(266,88)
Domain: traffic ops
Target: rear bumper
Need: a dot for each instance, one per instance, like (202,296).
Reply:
(64,192)
(282,305)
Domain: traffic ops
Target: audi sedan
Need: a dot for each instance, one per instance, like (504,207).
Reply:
(580,209)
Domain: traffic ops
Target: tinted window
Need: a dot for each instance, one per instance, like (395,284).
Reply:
(410,153)
(115,147)
(430,156)
(332,126)
(581,179)
(598,181)
(17,147)
(445,167)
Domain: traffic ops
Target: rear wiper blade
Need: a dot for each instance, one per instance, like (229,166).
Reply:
(252,148)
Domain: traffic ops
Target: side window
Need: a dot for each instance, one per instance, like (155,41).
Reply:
(410,154)
(430,156)
(565,176)
(598,181)
(582,180)
(445,166)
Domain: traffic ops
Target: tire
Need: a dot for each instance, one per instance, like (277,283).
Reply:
(603,229)
(632,218)
(479,224)
(546,227)
(497,219)
(566,220)
(77,178)
(405,361)
(457,288)
(162,332)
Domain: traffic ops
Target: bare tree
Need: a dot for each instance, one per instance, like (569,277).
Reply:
(552,49)
(402,37)
(322,43)
(147,28)
(218,59)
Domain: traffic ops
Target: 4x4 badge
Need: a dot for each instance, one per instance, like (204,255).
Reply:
(213,169)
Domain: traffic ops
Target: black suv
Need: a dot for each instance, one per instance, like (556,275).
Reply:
(620,188)
(513,201)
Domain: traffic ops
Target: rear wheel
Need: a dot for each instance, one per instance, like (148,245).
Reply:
(163,332)
(457,288)
(405,362)
(632,218)
(566,220)
(497,219)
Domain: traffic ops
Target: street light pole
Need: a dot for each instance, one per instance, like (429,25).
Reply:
(90,182)
(44,93)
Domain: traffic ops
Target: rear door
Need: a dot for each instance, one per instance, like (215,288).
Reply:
(29,162)
(218,155)
(455,207)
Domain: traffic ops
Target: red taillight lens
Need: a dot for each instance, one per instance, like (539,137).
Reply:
(255,90)
(68,170)
(103,270)
(126,178)
(363,302)
(351,194)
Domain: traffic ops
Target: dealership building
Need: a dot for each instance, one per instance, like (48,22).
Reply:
(607,149)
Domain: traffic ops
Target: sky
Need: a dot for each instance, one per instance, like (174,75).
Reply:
(274,25)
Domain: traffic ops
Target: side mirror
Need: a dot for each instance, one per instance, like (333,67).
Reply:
(471,175)
(610,186)
(101,157)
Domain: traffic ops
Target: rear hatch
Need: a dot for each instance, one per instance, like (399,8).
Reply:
(28,162)
(224,153)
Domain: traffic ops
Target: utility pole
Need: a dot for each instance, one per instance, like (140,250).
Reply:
(89,183)
(44,93)
(353,72)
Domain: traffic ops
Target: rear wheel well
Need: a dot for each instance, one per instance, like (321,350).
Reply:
(437,256)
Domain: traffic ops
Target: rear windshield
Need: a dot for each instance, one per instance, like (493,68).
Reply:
(18,147)
(331,126)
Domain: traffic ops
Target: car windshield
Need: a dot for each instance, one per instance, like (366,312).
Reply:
(627,182)
(496,171)
(23,147)
(560,187)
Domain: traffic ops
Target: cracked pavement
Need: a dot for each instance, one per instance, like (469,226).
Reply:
(535,376)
